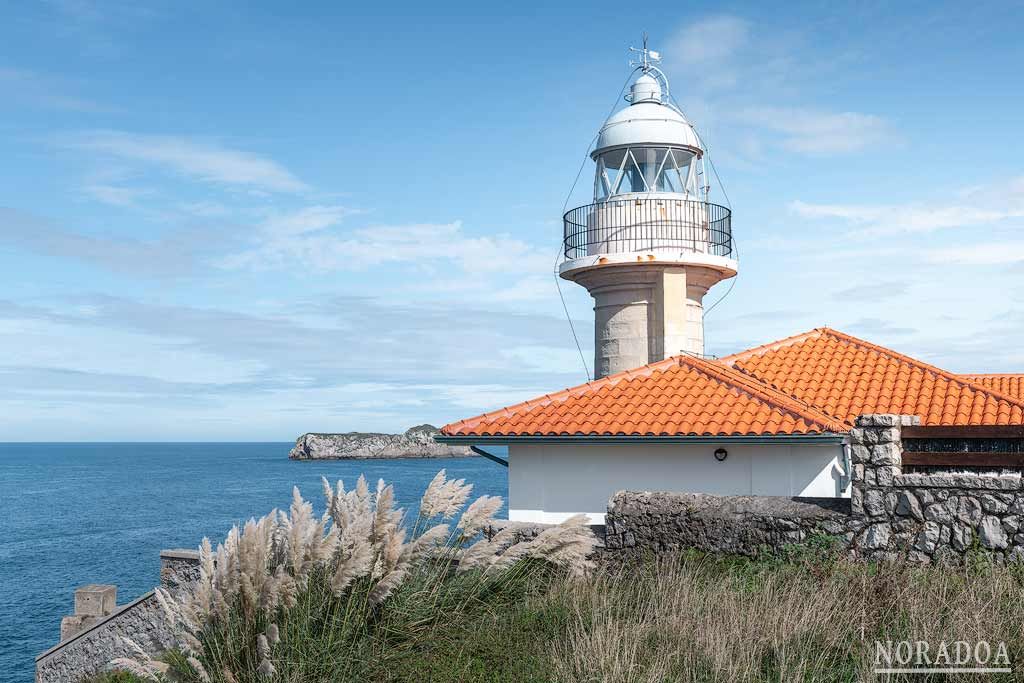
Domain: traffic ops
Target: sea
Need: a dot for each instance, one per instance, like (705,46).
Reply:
(74,514)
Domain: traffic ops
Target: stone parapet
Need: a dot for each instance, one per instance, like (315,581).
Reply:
(644,522)
(178,568)
(96,637)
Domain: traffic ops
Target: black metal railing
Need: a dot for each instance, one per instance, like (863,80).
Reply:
(618,226)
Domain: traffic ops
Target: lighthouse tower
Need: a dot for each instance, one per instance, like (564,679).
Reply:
(651,245)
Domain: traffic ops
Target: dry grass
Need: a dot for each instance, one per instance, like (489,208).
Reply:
(808,617)
(699,618)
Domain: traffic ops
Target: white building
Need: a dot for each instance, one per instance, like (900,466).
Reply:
(660,416)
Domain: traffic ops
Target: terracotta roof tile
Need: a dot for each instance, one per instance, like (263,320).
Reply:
(847,377)
(1009,384)
(680,396)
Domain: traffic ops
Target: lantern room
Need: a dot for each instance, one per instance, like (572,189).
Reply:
(650,245)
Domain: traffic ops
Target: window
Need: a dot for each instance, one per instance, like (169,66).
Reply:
(643,169)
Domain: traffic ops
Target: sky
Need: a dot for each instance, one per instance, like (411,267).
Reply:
(246,221)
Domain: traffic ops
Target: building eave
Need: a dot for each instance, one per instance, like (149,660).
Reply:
(762,439)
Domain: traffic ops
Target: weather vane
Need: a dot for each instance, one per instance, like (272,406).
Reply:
(648,57)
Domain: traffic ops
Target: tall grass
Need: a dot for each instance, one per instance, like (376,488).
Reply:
(294,596)
(815,618)
(358,595)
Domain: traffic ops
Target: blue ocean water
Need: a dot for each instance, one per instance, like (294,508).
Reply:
(100,513)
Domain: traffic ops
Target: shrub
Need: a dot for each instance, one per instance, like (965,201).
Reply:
(293,596)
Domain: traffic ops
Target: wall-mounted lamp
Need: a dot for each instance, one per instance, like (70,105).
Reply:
(721,454)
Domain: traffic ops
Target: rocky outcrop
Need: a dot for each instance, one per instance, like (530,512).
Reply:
(416,442)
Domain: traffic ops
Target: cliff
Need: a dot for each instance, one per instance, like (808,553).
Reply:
(416,442)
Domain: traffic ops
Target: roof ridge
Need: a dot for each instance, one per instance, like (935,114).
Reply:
(771,346)
(991,374)
(920,363)
(770,394)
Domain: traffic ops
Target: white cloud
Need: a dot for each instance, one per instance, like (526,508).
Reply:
(306,220)
(738,75)
(307,237)
(989,254)
(819,132)
(708,49)
(909,218)
(198,160)
(115,195)
(169,255)
(36,89)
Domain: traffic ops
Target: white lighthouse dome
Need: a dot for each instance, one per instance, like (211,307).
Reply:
(645,123)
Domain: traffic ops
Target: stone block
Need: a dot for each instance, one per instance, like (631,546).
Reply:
(928,539)
(95,600)
(968,510)
(939,512)
(877,537)
(857,501)
(962,537)
(1017,506)
(907,505)
(991,534)
(874,503)
(905,524)
(860,454)
(1011,524)
(885,475)
(993,503)
(887,454)
(877,420)
(73,625)
(887,435)
(890,503)
(910,420)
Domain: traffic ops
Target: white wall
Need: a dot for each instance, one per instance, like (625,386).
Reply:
(549,482)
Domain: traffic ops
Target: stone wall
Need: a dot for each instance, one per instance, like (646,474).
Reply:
(641,523)
(891,515)
(141,620)
(928,517)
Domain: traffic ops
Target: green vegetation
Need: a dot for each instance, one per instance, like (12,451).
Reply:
(532,610)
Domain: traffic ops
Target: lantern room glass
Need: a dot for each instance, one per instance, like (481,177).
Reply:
(643,169)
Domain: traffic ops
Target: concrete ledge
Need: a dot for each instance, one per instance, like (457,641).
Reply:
(711,506)
(960,481)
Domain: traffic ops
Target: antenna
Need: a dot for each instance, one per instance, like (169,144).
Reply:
(648,58)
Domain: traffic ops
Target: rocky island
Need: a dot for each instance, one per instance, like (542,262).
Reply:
(416,442)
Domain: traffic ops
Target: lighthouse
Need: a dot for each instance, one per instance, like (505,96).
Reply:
(650,245)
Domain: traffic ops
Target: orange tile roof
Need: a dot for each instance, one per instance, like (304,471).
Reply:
(1005,383)
(847,377)
(679,396)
